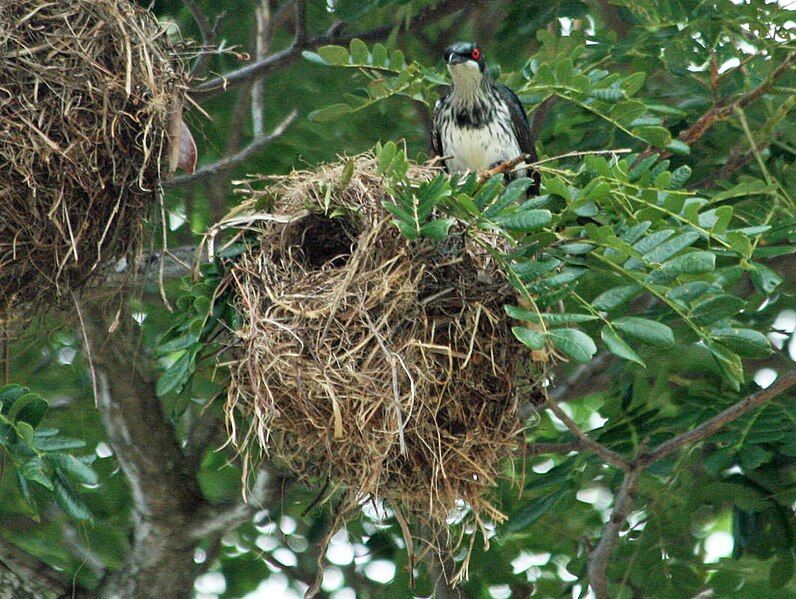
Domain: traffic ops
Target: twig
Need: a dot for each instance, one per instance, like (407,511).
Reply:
(229,162)
(216,519)
(722,112)
(606,454)
(529,163)
(332,36)
(207,31)
(709,427)
(539,448)
(598,561)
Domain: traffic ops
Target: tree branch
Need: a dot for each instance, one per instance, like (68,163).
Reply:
(207,31)
(722,112)
(216,519)
(164,491)
(229,162)
(720,420)
(587,442)
(598,561)
(24,576)
(333,36)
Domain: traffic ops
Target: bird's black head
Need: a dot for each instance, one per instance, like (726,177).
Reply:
(462,52)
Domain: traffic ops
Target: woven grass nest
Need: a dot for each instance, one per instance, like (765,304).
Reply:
(89,90)
(383,368)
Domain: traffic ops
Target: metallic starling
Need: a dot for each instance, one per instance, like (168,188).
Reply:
(480,123)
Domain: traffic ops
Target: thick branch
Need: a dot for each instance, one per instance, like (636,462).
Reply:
(163,488)
(333,36)
(720,420)
(598,561)
(25,577)
(229,162)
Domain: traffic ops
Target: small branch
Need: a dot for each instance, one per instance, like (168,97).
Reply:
(722,112)
(207,31)
(278,59)
(710,427)
(229,162)
(598,561)
(540,448)
(217,519)
(300,29)
(606,454)
(528,161)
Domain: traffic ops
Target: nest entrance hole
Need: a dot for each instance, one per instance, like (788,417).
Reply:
(323,240)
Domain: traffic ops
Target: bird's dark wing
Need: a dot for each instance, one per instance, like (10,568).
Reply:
(521,129)
(436,139)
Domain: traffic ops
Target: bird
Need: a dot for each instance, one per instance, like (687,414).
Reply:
(480,123)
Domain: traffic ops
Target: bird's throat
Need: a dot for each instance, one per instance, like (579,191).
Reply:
(470,87)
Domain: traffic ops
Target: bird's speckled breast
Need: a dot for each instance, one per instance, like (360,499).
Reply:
(477,145)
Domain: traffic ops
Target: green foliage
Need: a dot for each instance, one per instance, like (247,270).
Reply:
(673,271)
(44,467)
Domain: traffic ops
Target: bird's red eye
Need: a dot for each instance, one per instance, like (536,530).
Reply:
(476,54)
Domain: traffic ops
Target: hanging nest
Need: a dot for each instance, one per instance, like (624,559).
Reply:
(383,368)
(89,92)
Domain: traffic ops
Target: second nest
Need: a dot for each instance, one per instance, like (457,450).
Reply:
(382,366)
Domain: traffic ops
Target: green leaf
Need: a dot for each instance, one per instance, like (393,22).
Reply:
(57,443)
(29,408)
(534,510)
(69,500)
(617,346)
(176,376)
(334,55)
(313,57)
(717,308)
(655,136)
(32,469)
(615,297)
(680,176)
(10,394)
(747,343)
(330,113)
(648,331)
(530,337)
(437,229)
(573,343)
(183,342)
(528,220)
(693,263)
(547,317)
(386,157)
(678,147)
(359,51)
(669,248)
(730,364)
(514,191)
(488,191)
(765,279)
(73,467)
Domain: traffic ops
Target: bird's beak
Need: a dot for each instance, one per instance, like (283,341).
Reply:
(456,59)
